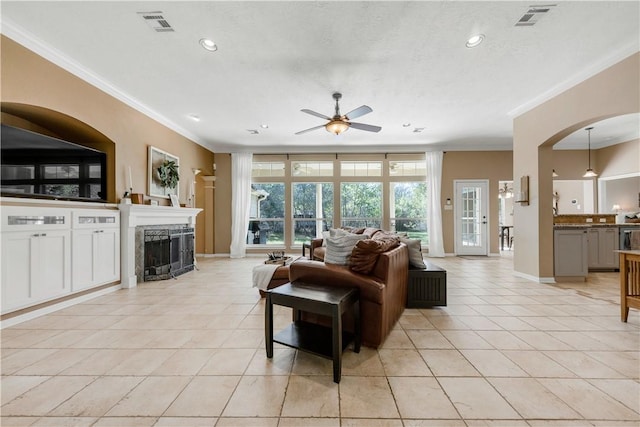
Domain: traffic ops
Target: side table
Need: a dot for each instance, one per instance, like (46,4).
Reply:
(427,287)
(309,337)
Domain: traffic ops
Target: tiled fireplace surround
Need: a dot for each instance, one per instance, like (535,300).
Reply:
(133,219)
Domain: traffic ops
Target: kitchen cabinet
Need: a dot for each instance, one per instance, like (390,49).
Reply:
(570,252)
(602,243)
(95,248)
(36,257)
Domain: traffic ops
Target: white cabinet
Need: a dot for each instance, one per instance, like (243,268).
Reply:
(95,249)
(570,252)
(50,252)
(36,257)
(603,242)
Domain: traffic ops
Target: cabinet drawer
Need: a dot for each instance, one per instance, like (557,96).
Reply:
(83,219)
(20,218)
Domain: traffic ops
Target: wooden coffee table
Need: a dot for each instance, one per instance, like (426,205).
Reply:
(319,340)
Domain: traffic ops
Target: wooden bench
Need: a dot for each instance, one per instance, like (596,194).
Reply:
(427,287)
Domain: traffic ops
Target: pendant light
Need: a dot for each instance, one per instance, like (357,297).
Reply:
(589,173)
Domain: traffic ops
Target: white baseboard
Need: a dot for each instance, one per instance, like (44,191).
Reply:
(535,278)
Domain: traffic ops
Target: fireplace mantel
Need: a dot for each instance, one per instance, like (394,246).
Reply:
(132,216)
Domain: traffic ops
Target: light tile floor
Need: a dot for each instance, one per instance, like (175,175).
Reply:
(190,352)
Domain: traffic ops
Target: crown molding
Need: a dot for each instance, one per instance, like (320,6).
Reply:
(590,71)
(51,54)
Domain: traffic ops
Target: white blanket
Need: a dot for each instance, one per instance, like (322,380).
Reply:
(263,273)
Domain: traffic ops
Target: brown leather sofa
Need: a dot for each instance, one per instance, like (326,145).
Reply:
(383,293)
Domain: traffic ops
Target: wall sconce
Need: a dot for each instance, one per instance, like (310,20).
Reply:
(196,171)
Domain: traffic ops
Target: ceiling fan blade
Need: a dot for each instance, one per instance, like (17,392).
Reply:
(309,130)
(360,111)
(313,113)
(362,126)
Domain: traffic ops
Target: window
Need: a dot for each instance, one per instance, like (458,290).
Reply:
(408,208)
(267,169)
(470,212)
(266,224)
(361,204)
(299,169)
(312,210)
(361,168)
(407,168)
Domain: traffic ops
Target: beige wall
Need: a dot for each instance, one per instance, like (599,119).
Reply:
(492,165)
(460,165)
(620,159)
(31,80)
(612,92)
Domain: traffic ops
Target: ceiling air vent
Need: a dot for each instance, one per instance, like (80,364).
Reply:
(156,21)
(533,15)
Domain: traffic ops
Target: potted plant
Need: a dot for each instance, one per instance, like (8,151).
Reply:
(168,174)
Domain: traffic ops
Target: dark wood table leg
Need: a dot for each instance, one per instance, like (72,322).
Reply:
(268,325)
(337,343)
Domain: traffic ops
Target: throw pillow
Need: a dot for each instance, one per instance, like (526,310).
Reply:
(332,232)
(366,252)
(339,248)
(415,252)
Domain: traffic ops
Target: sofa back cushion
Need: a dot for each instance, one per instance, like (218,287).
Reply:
(366,252)
(339,248)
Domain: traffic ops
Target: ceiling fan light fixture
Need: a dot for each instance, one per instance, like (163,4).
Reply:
(337,127)
(474,41)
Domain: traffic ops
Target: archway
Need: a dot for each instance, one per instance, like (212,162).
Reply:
(612,92)
(62,126)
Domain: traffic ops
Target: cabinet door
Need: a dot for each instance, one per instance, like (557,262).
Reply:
(35,267)
(52,265)
(17,252)
(570,253)
(83,259)
(107,255)
(607,244)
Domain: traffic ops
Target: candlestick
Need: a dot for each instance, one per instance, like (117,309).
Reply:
(130,181)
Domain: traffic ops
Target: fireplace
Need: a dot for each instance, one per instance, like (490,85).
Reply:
(168,253)
(175,227)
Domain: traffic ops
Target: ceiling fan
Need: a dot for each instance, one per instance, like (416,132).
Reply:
(341,123)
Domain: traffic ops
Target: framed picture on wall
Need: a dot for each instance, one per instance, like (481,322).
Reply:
(163,171)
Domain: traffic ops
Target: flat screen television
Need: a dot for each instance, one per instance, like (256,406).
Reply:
(39,166)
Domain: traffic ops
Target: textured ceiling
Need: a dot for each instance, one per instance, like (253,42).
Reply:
(406,60)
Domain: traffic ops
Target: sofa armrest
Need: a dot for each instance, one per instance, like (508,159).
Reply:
(315,243)
(319,273)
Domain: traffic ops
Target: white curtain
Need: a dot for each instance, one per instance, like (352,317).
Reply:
(434,184)
(241,164)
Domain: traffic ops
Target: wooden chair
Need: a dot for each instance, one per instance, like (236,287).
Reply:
(629,282)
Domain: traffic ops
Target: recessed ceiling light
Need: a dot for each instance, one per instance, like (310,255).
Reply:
(475,40)
(406,125)
(208,44)
(194,117)
(264,126)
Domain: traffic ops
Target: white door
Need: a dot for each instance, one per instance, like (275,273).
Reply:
(471,221)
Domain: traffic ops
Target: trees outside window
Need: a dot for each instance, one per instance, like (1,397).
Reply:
(408,208)
(361,204)
(312,210)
